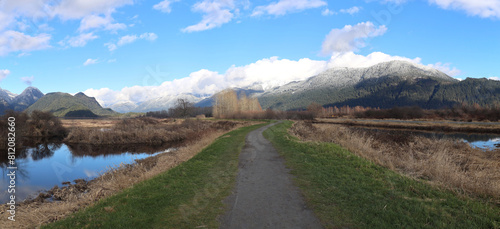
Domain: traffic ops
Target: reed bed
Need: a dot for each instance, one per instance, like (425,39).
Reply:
(448,163)
(148,131)
(423,125)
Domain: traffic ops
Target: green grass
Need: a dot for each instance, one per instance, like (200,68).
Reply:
(347,191)
(187,196)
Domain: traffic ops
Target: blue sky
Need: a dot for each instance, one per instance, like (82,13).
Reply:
(136,50)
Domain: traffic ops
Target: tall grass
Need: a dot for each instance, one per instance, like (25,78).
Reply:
(452,164)
(464,112)
(146,130)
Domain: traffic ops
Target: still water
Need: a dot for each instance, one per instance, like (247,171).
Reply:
(46,165)
(482,141)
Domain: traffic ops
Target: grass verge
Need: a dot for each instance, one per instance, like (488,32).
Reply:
(187,196)
(345,190)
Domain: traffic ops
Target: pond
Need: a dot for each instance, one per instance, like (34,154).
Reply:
(482,141)
(46,165)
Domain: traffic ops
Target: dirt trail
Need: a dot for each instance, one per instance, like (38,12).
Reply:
(265,196)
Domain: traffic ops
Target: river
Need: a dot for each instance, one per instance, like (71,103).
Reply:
(42,167)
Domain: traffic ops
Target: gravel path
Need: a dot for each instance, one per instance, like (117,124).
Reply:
(265,196)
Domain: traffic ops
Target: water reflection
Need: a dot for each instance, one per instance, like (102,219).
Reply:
(46,164)
(483,141)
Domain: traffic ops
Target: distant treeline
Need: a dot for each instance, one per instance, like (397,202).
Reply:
(463,112)
(182,109)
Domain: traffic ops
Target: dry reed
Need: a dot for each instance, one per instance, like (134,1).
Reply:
(148,131)
(448,163)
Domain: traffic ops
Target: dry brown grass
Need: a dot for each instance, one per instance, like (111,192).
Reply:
(445,126)
(145,130)
(32,214)
(95,123)
(451,164)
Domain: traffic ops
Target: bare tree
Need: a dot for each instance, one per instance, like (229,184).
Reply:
(183,108)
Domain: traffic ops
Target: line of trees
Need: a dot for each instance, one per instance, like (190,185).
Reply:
(463,112)
(182,109)
(227,104)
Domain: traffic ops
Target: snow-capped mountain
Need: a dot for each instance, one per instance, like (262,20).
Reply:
(29,96)
(123,106)
(6,95)
(388,84)
(334,78)
(9,100)
(344,77)
(165,102)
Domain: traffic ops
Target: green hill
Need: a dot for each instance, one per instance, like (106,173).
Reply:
(66,105)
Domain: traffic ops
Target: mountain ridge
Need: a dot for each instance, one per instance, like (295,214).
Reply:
(385,85)
(340,77)
(9,100)
(60,104)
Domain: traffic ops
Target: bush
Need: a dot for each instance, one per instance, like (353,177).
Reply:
(414,112)
(32,127)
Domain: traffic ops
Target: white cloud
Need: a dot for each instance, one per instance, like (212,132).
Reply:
(446,68)
(127,39)
(13,41)
(481,8)
(351,11)
(94,21)
(283,7)
(80,40)
(28,80)
(76,9)
(148,36)
(215,14)
(4,73)
(350,38)
(327,12)
(164,6)
(30,8)
(6,19)
(494,78)
(26,14)
(352,60)
(90,61)
(111,46)
(394,1)
(45,27)
(269,72)
(272,72)
(22,26)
